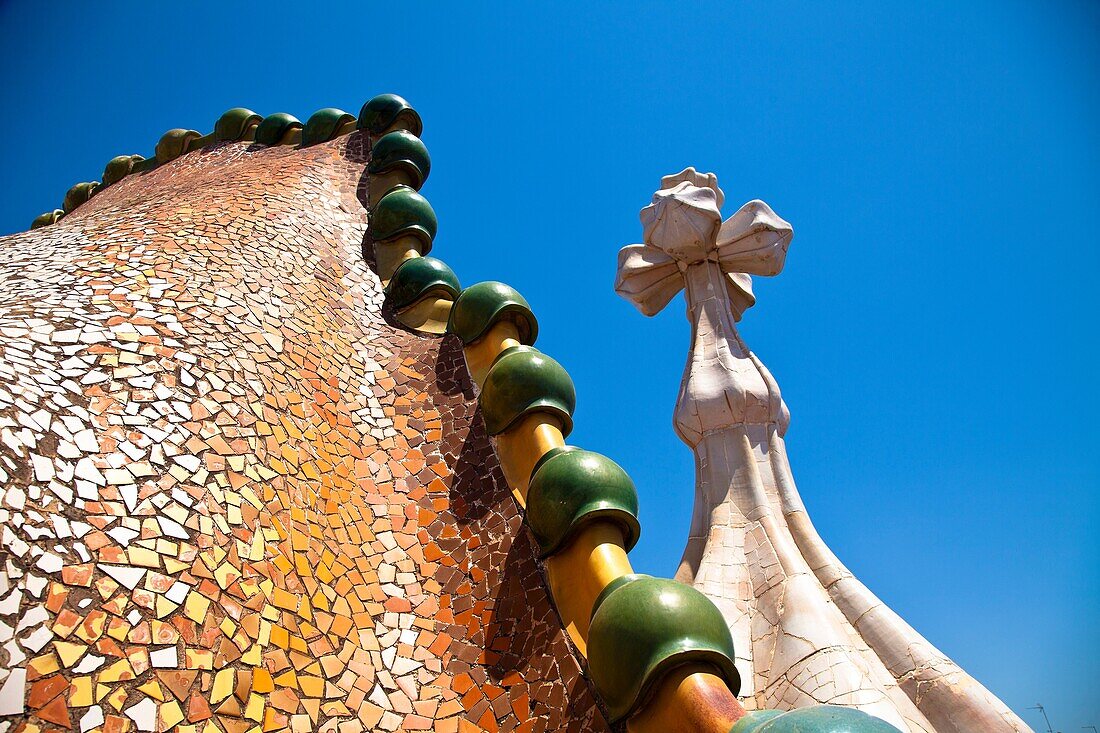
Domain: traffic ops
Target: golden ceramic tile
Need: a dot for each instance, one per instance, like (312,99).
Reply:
(153,690)
(69,652)
(117,698)
(80,694)
(253,477)
(170,714)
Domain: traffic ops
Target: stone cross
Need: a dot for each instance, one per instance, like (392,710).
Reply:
(687,245)
(805,630)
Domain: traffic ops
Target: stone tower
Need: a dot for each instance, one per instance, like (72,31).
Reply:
(805,629)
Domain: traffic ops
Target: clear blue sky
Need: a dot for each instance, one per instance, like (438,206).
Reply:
(934,332)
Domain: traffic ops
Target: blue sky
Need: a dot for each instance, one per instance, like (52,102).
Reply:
(933,332)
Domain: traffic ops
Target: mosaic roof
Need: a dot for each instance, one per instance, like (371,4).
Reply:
(235,497)
(268,466)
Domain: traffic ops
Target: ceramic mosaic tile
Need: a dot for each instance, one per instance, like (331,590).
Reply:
(234,497)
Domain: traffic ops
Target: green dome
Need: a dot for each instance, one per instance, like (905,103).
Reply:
(119,167)
(273,128)
(324,124)
(380,113)
(401,150)
(813,719)
(646,627)
(522,380)
(480,306)
(236,125)
(611,587)
(175,143)
(419,277)
(571,487)
(45,220)
(78,194)
(403,211)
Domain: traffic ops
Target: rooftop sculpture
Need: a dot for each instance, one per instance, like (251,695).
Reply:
(267,466)
(805,629)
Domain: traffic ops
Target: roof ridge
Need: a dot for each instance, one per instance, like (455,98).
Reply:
(581,506)
(660,655)
(238,124)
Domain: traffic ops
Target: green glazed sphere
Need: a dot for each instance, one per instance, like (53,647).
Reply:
(45,220)
(78,194)
(380,113)
(521,381)
(570,488)
(401,150)
(324,125)
(615,584)
(647,627)
(119,167)
(403,211)
(175,143)
(480,307)
(273,129)
(419,277)
(236,124)
(813,719)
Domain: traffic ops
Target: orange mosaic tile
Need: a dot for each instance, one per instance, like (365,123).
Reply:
(235,496)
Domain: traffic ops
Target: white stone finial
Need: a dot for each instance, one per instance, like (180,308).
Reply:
(683,227)
(695,178)
(805,630)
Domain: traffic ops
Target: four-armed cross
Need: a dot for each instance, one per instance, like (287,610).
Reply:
(805,630)
(688,245)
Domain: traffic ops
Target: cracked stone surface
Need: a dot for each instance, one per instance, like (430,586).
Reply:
(805,629)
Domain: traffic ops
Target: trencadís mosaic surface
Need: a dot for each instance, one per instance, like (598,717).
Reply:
(234,497)
(266,466)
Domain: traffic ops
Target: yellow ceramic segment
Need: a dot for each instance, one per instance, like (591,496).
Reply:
(578,574)
(427,316)
(690,699)
(293,136)
(521,446)
(346,129)
(383,183)
(200,142)
(388,256)
(481,353)
(401,123)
